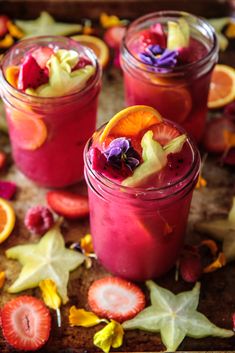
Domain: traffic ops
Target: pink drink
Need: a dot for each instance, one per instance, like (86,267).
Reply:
(138,233)
(179,95)
(48,134)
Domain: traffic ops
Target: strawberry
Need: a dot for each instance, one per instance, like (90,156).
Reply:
(31,75)
(114,35)
(3,25)
(42,55)
(157,29)
(213,139)
(26,323)
(115,298)
(68,204)
(164,133)
(147,38)
(7,189)
(83,61)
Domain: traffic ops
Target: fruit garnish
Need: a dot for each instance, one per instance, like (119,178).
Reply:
(222,86)
(154,158)
(68,204)
(214,139)
(7,189)
(115,298)
(81,317)
(31,75)
(62,79)
(7,219)
(164,133)
(46,25)
(223,230)
(12,75)
(26,323)
(130,121)
(48,258)
(175,317)
(30,132)
(161,58)
(38,219)
(42,55)
(97,45)
(110,336)
(7,41)
(114,35)
(178,34)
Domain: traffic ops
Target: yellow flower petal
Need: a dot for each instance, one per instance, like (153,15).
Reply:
(109,21)
(110,336)
(230,31)
(215,265)
(2,278)
(7,41)
(14,30)
(86,244)
(81,317)
(49,294)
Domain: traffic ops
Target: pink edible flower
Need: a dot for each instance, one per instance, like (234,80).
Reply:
(7,189)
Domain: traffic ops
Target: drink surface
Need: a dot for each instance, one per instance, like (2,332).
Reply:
(138,218)
(51,106)
(166,66)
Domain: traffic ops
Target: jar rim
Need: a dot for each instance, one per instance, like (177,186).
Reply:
(191,174)
(182,68)
(37,99)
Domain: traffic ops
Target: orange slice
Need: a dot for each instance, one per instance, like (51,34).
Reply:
(12,74)
(176,103)
(131,121)
(99,47)
(222,86)
(7,219)
(29,132)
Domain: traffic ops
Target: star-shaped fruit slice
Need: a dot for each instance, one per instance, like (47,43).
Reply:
(223,230)
(46,25)
(175,317)
(47,259)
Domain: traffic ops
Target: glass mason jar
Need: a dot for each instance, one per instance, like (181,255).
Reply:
(138,233)
(48,135)
(180,95)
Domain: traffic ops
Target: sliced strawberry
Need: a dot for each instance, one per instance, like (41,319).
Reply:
(42,55)
(164,133)
(147,37)
(31,75)
(26,323)
(213,139)
(157,29)
(3,25)
(115,298)
(114,35)
(68,204)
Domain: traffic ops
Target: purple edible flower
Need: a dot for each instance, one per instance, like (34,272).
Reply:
(159,57)
(120,151)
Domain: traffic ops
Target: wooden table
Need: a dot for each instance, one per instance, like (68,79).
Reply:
(217,299)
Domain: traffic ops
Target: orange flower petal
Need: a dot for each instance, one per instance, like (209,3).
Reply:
(201,182)
(215,265)
(2,278)
(211,244)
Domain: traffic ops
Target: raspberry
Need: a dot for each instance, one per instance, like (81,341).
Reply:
(38,219)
